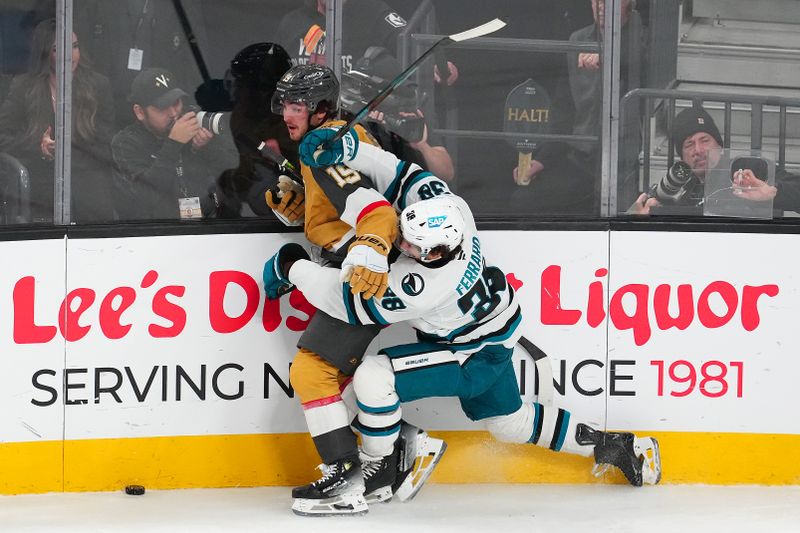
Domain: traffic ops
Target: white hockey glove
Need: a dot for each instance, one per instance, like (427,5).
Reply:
(366,267)
(288,201)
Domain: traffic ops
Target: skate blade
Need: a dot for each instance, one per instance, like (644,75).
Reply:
(634,478)
(599,469)
(428,456)
(648,449)
(381,495)
(336,506)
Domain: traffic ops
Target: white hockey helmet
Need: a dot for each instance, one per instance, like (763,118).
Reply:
(431,224)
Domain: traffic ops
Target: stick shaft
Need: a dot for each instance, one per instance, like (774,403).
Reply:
(386,91)
(281,161)
(544,369)
(270,155)
(191,39)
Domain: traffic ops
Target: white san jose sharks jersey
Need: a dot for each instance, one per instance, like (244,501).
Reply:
(402,183)
(464,303)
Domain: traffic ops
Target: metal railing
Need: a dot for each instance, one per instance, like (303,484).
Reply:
(664,41)
(516,45)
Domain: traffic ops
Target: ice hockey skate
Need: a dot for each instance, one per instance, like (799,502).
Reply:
(638,458)
(380,474)
(419,455)
(340,491)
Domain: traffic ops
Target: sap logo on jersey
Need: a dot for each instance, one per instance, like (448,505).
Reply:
(413,284)
(435,222)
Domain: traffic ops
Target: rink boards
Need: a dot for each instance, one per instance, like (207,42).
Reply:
(157,360)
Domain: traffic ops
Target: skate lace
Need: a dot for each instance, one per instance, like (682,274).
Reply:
(328,471)
(370,468)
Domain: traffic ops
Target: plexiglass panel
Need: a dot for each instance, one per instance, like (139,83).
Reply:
(729,80)
(529,94)
(28,89)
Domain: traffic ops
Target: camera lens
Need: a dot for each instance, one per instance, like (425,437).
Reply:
(211,121)
(673,186)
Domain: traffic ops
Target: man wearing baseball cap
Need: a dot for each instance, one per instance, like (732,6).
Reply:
(164,159)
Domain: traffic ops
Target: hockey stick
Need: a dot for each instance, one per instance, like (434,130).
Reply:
(477,31)
(283,163)
(545,395)
(272,156)
(183,18)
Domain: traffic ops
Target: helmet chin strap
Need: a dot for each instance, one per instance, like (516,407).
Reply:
(426,260)
(311,116)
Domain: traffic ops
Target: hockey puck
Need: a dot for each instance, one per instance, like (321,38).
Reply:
(134,490)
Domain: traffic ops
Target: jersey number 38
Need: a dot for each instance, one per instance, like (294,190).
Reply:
(484,296)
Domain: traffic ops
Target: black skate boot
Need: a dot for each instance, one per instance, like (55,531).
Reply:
(419,455)
(379,475)
(340,490)
(637,458)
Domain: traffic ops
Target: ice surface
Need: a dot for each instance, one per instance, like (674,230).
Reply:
(440,508)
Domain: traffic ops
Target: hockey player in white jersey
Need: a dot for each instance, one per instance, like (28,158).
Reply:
(467,321)
(325,398)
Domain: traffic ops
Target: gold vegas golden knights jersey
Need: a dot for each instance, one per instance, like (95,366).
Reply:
(342,203)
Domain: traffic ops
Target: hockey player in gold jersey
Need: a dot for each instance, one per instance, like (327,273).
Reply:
(354,225)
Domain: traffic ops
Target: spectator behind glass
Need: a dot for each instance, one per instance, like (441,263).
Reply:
(409,138)
(27,124)
(563,176)
(483,164)
(255,71)
(365,23)
(164,161)
(698,143)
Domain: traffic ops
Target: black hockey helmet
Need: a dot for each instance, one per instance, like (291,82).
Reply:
(309,84)
(260,65)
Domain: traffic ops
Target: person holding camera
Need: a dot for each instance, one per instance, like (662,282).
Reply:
(241,105)
(398,124)
(164,160)
(698,143)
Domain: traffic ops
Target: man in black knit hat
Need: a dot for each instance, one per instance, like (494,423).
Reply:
(697,139)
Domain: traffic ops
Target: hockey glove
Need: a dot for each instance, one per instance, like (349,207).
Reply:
(366,267)
(315,153)
(276,270)
(287,201)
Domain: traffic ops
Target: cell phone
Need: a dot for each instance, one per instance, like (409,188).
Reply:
(757,165)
